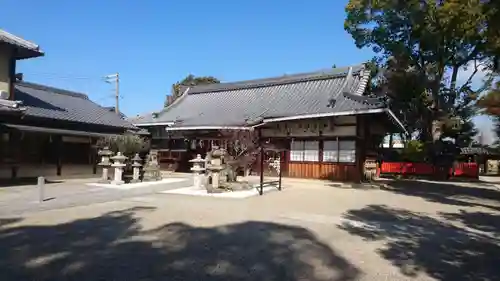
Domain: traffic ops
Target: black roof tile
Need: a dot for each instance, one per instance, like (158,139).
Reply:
(53,103)
(236,104)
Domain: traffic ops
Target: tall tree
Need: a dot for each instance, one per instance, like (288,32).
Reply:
(430,42)
(490,105)
(190,80)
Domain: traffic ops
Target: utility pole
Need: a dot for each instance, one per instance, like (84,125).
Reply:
(116,79)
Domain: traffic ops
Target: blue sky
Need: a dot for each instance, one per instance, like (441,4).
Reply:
(153,44)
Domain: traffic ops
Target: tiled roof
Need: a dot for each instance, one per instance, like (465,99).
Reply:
(474,150)
(241,103)
(48,102)
(147,118)
(26,48)
(112,109)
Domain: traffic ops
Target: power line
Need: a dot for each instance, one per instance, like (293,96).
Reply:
(112,78)
(59,76)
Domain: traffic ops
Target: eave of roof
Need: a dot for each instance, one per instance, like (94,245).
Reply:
(24,48)
(56,131)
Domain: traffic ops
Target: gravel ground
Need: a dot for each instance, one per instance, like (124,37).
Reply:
(309,231)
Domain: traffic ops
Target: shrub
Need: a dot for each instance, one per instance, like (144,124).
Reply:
(129,145)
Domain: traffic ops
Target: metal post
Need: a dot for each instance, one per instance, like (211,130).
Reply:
(279,176)
(261,191)
(117,94)
(41,189)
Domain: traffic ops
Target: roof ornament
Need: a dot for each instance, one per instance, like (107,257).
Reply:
(348,79)
(253,121)
(332,101)
(379,101)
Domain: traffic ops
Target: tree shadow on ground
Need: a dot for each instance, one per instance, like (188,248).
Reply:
(456,194)
(482,221)
(115,247)
(418,244)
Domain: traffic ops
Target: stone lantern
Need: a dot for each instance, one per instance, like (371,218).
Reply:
(215,166)
(136,166)
(198,169)
(118,164)
(152,168)
(105,153)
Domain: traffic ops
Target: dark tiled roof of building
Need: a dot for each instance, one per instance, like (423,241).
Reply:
(147,118)
(26,49)
(241,103)
(112,109)
(474,151)
(53,103)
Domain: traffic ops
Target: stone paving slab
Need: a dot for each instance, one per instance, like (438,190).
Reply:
(75,194)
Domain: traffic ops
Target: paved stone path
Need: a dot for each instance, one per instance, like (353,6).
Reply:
(17,200)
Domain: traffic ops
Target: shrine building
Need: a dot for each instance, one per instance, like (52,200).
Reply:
(327,122)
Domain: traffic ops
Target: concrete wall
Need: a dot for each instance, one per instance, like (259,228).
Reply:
(5,55)
(46,170)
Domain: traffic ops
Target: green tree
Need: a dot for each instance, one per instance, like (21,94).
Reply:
(190,80)
(490,105)
(429,42)
(413,151)
(127,144)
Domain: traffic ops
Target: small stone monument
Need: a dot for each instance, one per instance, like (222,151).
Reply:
(105,153)
(215,166)
(118,164)
(136,166)
(198,170)
(152,168)
(275,164)
(370,170)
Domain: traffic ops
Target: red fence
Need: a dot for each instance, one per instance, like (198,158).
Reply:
(424,169)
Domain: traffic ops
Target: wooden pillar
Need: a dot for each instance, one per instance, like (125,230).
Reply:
(361,137)
(320,151)
(94,156)
(12,75)
(337,168)
(59,153)
(14,152)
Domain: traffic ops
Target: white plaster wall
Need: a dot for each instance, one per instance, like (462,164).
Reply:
(310,128)
(345,120)
(5,55)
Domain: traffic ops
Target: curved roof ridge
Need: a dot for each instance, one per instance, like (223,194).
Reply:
(280,80)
